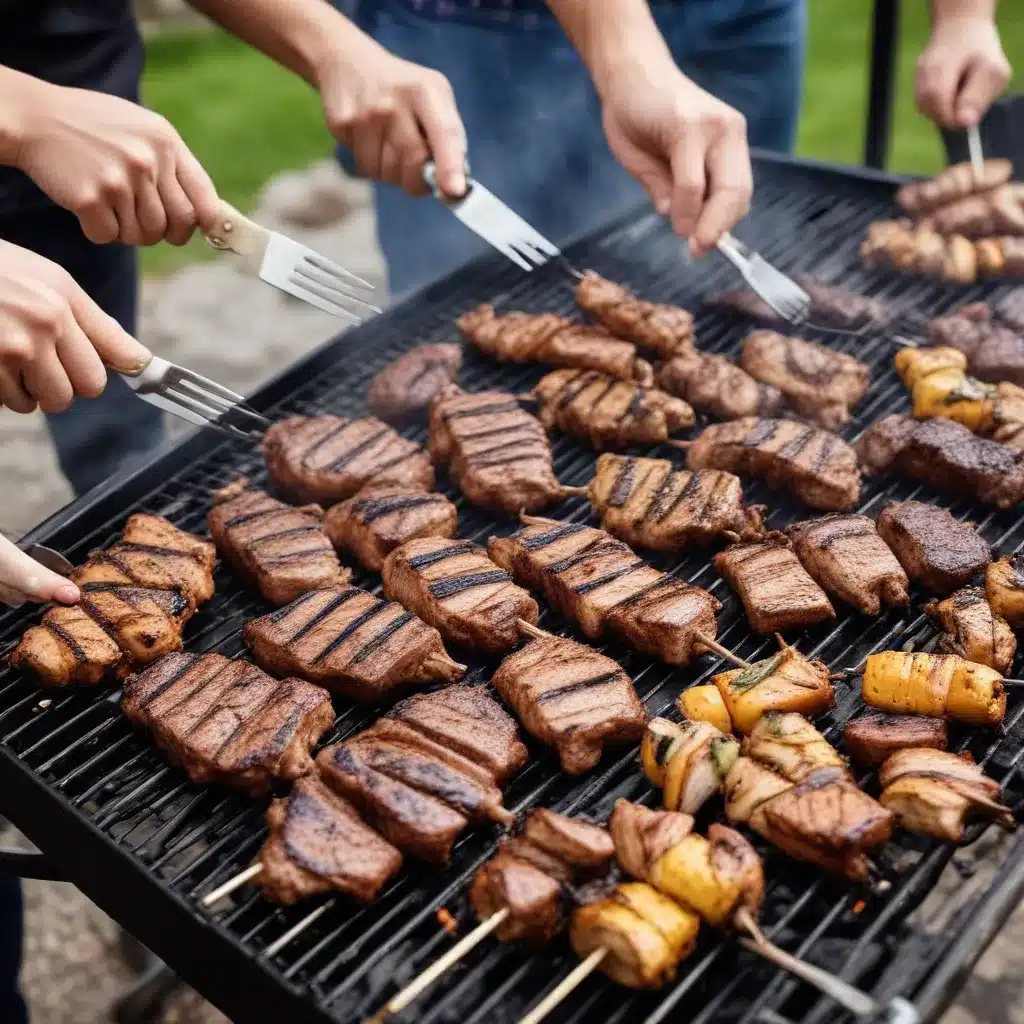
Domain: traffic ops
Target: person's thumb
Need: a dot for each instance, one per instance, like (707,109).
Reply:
(23,578)
(114,345)
(977,91)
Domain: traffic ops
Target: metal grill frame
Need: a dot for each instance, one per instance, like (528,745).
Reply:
(119,835)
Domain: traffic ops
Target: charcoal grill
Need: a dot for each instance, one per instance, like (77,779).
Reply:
(132,833)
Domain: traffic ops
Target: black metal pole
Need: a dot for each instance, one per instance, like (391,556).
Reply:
(885,32)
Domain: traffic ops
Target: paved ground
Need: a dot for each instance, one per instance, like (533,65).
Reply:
(237,331)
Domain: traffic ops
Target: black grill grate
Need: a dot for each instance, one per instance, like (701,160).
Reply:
(151,843)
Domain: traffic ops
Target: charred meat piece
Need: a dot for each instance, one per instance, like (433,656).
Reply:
(996,212)
(926,195)
(532,898)
(818,383)
(871,738)
(651,504)
(404,389)
(937,550)
(973,630)
(552,340)
(947,456)
(791,747)
(995,353)
(1004,588)
(350,642)
(602,585)
(847,559)
(496,451)
(776,591)
(280,548)
(378,519)
(719,388)
(608,412)
(455,587)
(582,846)
(642,836)
(570,696)
(329,458)
(228,721)
(318,843)
(664,330)
(818,467)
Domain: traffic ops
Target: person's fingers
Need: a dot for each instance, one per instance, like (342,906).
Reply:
(730,186)
(27,577)
(13,395)
(980,86)
(197,186)
(181,216)
(445,134)
(149,213)
(98,220)
(689,182)
(936,87)
(81,362)
(47,382)
(406,153)
(113,344)
(368,147)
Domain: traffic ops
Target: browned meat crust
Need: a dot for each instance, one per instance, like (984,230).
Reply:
(404,389)
(719,388)
(973,630)
(871,738)
(995,352)
(532,898)
(998,212)
(925,195)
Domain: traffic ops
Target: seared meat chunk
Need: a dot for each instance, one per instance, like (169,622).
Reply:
(993,213)
(846,558)
(790,746)
(496,451)
(228,721)
(552,340)
(994,351)
(937,550)
(971,628)
(649,503)
(818,467)
(455,587)
(352,643)
(404,389)
(378,519)
(329,458)
(871,738)
(570,696)
(818,383)
(713,385)
(600,583)
(925,195)
(642,836)
(580,845)
(1004,588)
(776,591)
(664,330)
(318,843)
(532,898)
(1009,309)
(280,548)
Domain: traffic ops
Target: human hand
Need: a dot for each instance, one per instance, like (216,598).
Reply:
(688,149)
(54,340)
(23,578)
(962,71)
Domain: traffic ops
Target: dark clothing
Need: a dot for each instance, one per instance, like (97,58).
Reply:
(12,1006)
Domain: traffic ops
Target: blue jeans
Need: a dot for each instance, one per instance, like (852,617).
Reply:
(534,123)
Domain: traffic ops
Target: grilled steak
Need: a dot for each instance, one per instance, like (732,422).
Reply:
(280,548)
(404,389)
(532,898)
(552,340)
(649,503)
(570,696)
(995,352)
(228,721)
(378,519)
(817,466)
(600,583)
(955,182)
(664,330)
(947,456)
(328,458)
(713,385)
(937,550)
(496,451)
(818,383)
(776,591)
(871,738)
(455,587)
(318,843)
(350,642)
(847,559)
(973,630)
(608,412)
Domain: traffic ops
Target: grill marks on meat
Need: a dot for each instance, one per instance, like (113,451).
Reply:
(329,458)
(936,550)
(649,503)
(352,643)
(607,412)
(995,352)
(664,330)
(719,388)
(280,548)
(571,697)
(457,589)
(228,721)
(846,558)
(404,389)
(973,630)
(553,340)
(818,467)
(871,738)
(379,519)
(602,585)
(496,451)
(776,591)
(818,383)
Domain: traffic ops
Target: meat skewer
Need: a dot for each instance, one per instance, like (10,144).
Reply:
(1004,588)
(951,184)
(994,351)
(715,386)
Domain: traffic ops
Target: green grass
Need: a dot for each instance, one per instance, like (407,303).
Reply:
(247,119)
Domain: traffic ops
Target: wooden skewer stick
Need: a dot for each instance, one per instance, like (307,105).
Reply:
(296,930)
(463,669)
(722,652)
(232,884)
(423,981)
(530,630)
(565,987)
(575,492)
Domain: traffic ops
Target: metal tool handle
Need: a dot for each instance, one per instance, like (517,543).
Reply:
(233,231)
(23,864)
(430,177)
(974,148)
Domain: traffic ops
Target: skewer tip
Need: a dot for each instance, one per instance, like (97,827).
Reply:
(530,630)
(575,492)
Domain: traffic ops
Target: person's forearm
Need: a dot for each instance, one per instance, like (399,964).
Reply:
(607,32)
(945,10)
(18,92)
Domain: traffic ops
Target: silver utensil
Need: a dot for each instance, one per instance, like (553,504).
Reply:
(783,294)
(974,148)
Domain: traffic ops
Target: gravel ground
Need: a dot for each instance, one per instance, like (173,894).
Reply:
(236,330)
